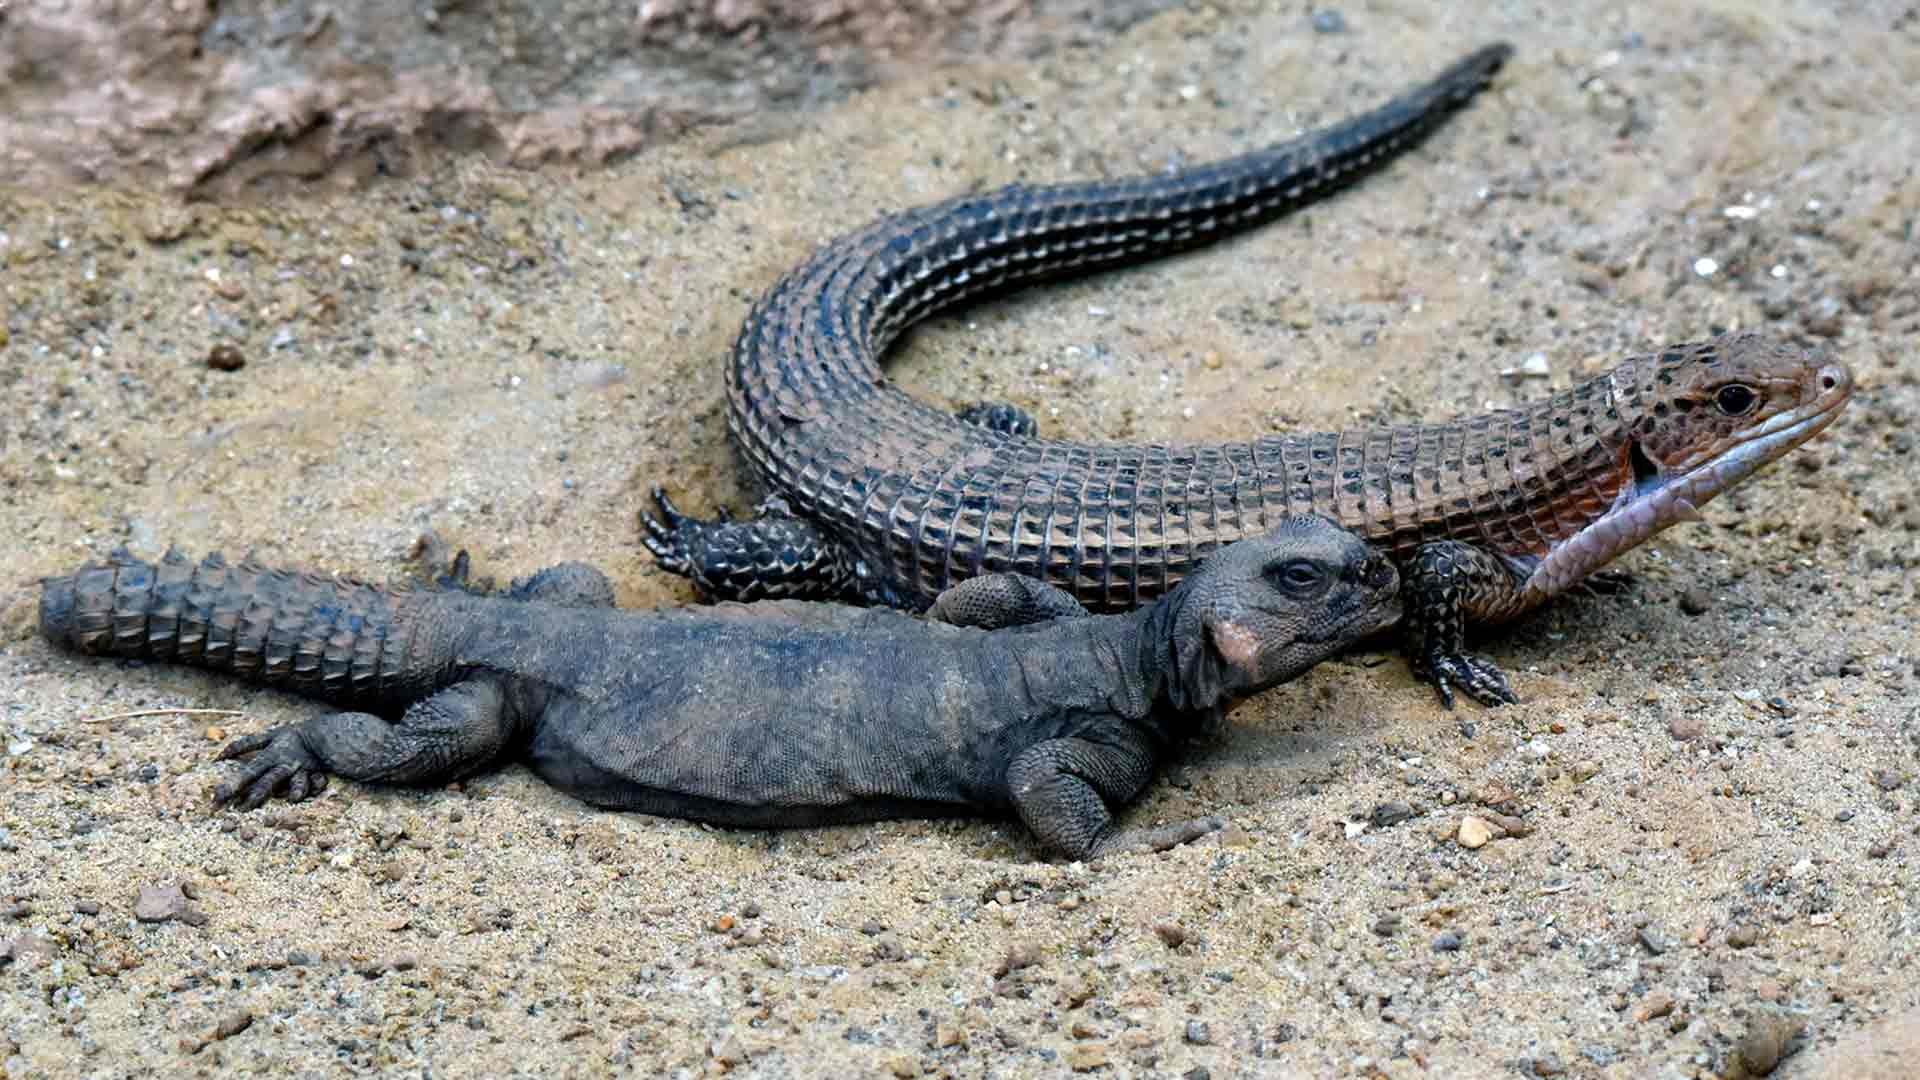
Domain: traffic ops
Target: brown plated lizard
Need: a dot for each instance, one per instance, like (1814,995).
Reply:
(879,498)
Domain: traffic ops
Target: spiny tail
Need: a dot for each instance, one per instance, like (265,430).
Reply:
(334,639)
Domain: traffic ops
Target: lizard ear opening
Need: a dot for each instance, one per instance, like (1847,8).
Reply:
(1200,668)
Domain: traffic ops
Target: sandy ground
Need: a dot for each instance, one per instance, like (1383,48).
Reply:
(1710,807)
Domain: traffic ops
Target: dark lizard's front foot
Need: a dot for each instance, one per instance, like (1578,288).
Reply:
(283,759)
(776,556)
(1444,583)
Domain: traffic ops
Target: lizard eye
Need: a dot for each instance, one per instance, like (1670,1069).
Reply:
(1735,399)
(1296,577)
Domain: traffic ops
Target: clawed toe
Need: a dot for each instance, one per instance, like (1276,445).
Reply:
(663,535)
(1479,679)
(284,761)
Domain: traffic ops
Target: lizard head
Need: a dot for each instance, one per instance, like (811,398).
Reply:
(1264,610)
(1690,422)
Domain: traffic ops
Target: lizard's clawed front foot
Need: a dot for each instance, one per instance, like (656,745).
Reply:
(1478,678)
(283,759)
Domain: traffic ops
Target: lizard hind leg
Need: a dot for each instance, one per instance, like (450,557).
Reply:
(1446,583)
(1001,416)
(568,584)
(775,556)
(452,733)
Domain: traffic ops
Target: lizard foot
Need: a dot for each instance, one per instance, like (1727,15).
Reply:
(1480,679)
(1607,582)
(776,556)
(1001,416)
(283,760)
(1156,837)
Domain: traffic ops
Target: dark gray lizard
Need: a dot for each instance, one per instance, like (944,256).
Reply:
(784,713)
(879,498)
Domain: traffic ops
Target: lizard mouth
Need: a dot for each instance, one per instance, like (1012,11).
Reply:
(1656,499)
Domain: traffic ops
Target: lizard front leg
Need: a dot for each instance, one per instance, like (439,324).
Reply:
(998,601)
(1445,584)
(451,734)
(776,556)
(1061,789)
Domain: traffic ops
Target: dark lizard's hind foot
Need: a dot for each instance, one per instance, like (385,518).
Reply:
(567,584)
(1000,416)
(776,556)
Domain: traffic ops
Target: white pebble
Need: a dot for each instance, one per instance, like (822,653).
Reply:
(1705,266)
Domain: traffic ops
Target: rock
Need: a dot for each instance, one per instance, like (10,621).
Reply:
(1446,941)
(1742,936)
(1474,832)
(1695,601)
(232,1024)
(165,903)
(225,357)
(1172,935)
(1686,727)
(26,947)
(1198,1033)
(1018,956)
(1888,1050)
(1655,1005)
(1766,1043)
(1391,813)
(1086,1056)
(1329,21)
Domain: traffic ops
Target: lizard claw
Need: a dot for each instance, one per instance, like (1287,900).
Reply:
(666,535)
(283,760)
(1607,582)
(1478,678)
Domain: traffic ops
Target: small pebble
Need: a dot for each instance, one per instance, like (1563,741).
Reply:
(1687,727)
(1086,1056)
(1392,813)
(1742,936)
(232,1024)
(1655,1005)
(225,357)
(1761,1049)
(86,907)
(1695,601)
(1017,957)
(1329,21)
(1446,941)
(165,903)
(1171,935)
(1198,1033)
(1474,832)
(1654,941)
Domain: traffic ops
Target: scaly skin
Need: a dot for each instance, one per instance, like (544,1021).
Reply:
(771,715)
(878,498)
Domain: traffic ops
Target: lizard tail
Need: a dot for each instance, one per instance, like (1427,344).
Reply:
(335,639)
